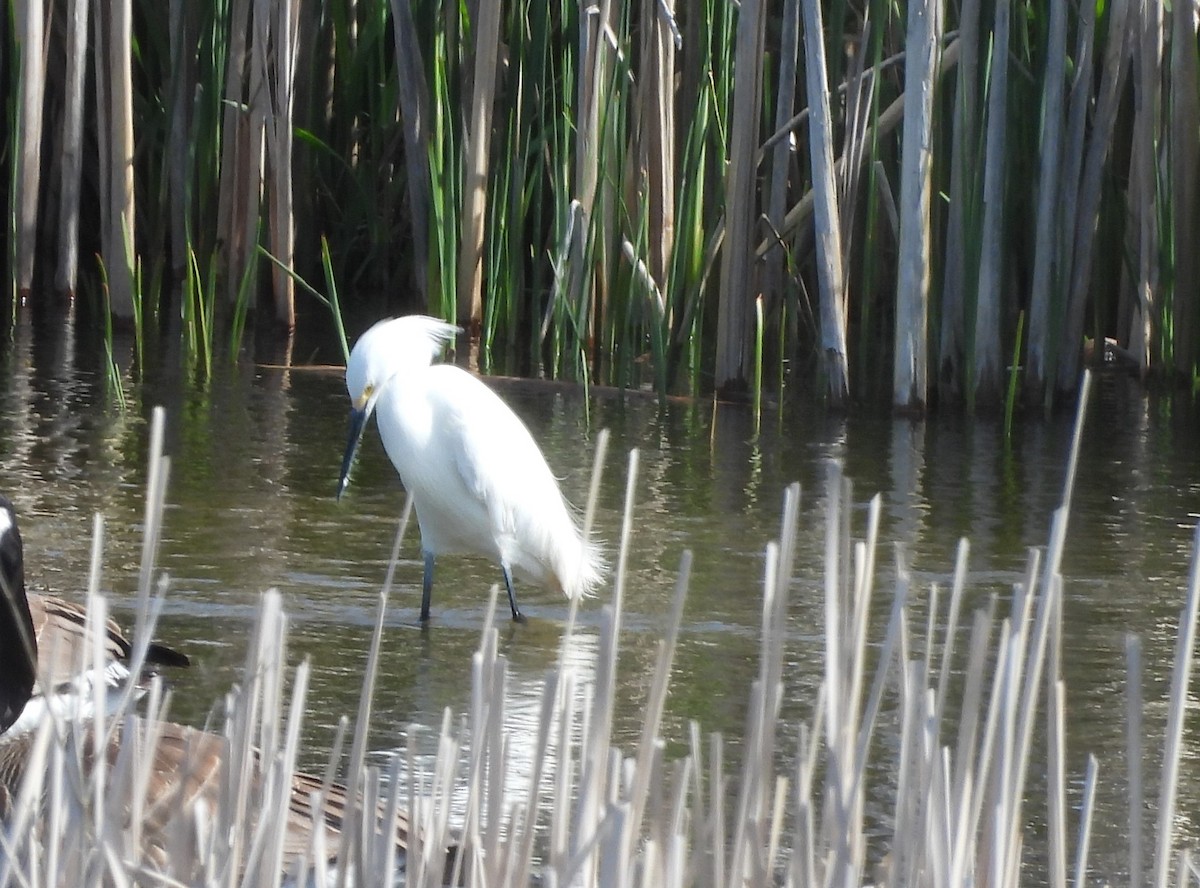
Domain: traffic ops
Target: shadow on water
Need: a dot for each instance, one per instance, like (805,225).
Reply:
(255,458)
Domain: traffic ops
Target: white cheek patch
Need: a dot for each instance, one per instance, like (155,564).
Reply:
(74,700)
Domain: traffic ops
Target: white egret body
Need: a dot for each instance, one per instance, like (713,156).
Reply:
(479,482)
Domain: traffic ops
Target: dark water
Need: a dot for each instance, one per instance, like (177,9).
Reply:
(255,460)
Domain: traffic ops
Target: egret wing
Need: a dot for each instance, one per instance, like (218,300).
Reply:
(497,458)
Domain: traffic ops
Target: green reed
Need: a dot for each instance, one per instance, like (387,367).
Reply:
(331,301)
(198,317)
(113,383)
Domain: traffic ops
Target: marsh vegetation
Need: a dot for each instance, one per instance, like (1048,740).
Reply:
(926,203)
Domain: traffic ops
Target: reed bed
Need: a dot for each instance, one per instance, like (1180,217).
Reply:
(604,191)
(944,720)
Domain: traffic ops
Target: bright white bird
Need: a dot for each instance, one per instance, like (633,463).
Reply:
(478,480)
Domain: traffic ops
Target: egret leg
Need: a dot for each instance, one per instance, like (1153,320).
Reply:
(427,587)
(512,596)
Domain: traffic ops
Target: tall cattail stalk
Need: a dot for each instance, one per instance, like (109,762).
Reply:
(241,153)
(414,112)
(657,133)
(30,30)
(1074,148)
(71,149)
(1079,276)
(594,74)
(910,383)
(1145,308)
(114,116)
(1048,244)
(182,48)
(1184,142)
(599,203)
(282,35)
(988,367)
(486,32)
(736,300)
(959,251)
(785,97)
(826,218)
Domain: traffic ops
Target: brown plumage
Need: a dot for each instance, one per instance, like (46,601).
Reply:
(187,766)
(60,635)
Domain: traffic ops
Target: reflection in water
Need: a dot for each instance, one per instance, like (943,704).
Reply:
(251,506)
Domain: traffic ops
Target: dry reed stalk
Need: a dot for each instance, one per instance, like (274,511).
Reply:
(1079,273)
(1134,727)
(860,94)
(594,51)
(964,789)
(182,42)
(755,812)
(469,298)
(736,299)
(414,113)
(952,337)
(1184,160)
(1078,107)
(594,207)
(1144,168)
(989,363)
(30,36)
(238,194)
(1181,675)
(158,473)
(785,100)
(657,141)
(1056,783)
(910,385)
(957,587)
(283,19)
(71,149)
(1087,810)
(117,206)
(827,219)
(843,713)
(597,758)
(1047,243)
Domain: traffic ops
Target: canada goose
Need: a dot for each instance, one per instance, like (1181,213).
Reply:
(186,769)
(57,631)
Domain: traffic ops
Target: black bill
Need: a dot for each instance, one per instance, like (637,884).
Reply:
(358,422)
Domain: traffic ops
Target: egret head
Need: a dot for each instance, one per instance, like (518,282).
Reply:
(387,350)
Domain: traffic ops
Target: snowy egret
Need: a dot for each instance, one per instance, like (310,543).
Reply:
(185,765)
(478,480)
